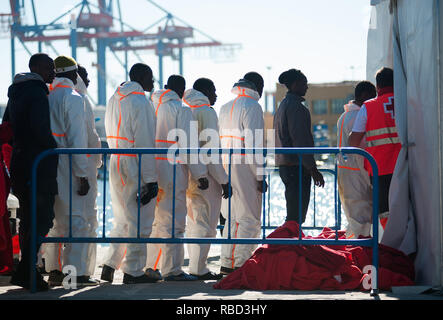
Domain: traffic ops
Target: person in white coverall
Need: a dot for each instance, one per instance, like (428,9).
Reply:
(130,123)
(173,130)
(94,162)
(241,126)
(68,125)
(204,205)
(354,185)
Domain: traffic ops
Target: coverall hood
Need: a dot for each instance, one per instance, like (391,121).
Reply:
(351,106)
(60,81)
(80,87)
(22,77)
(128,88)
(243,89)
(194,97)
(22,80)
(245,84)
(163,96)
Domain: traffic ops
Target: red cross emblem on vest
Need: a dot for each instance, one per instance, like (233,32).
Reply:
(389,107)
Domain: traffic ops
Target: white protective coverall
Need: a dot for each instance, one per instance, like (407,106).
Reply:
(68,125)
(204,205)
(94,162)
(130,123)
(354,186)
(241,126)
(171,115)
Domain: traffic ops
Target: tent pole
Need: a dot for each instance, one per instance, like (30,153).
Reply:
(439,34)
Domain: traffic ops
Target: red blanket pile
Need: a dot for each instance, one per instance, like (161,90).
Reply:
(317,267)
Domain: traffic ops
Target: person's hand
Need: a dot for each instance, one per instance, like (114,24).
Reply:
(147,192)
(84,186)
(227,191)
(317,177)
(203,183)
(262,186)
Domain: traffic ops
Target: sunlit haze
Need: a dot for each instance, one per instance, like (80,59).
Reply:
(325,39)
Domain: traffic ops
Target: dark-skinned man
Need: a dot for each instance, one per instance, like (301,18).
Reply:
(292,125)
(241,126)
(354,186)
(130,123)
(173,131)
(376,122)
(204,205)
(28,113)
(67,111)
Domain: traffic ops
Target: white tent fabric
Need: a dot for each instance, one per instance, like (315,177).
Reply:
(379,36)
(415,223)
(440,127)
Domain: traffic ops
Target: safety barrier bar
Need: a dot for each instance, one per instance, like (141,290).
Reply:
(371,242)
(337,204)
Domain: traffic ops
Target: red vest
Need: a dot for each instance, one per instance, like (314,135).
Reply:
(381,133)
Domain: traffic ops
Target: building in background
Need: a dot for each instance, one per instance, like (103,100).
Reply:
(325,102)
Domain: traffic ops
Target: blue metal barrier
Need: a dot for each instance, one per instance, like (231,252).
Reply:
(371,242)
(337,205)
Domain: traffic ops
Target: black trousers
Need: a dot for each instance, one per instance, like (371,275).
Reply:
(384,182)
(290,177)
(45,217)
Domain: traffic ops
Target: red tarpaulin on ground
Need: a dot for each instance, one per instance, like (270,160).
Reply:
(317,267)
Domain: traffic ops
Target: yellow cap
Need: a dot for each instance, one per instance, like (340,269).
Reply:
(65,64)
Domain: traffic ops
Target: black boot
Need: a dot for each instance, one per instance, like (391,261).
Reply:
(83,281)
(128,279)
(226,270)
(209,276)
(56,278)
(107,273)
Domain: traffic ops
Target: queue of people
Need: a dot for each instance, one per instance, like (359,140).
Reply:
(51,105)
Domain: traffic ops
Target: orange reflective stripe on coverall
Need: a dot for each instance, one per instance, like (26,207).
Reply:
(353,181)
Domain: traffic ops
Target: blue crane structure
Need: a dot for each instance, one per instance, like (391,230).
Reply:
(92,26)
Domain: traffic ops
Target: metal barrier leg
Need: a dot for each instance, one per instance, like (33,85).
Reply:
(34,240)
(269,200)
(300,191)
(105,158)
(375,262)
(139,193)
(230,198)
(264,196)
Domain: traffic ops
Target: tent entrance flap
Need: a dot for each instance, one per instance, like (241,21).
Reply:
(416,193)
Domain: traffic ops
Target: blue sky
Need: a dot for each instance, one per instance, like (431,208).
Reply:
(325,39)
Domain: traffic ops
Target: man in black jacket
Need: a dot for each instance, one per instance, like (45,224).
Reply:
(292,124)
(28,113)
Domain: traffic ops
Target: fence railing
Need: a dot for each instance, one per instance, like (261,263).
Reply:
(369,242)
(337,204)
